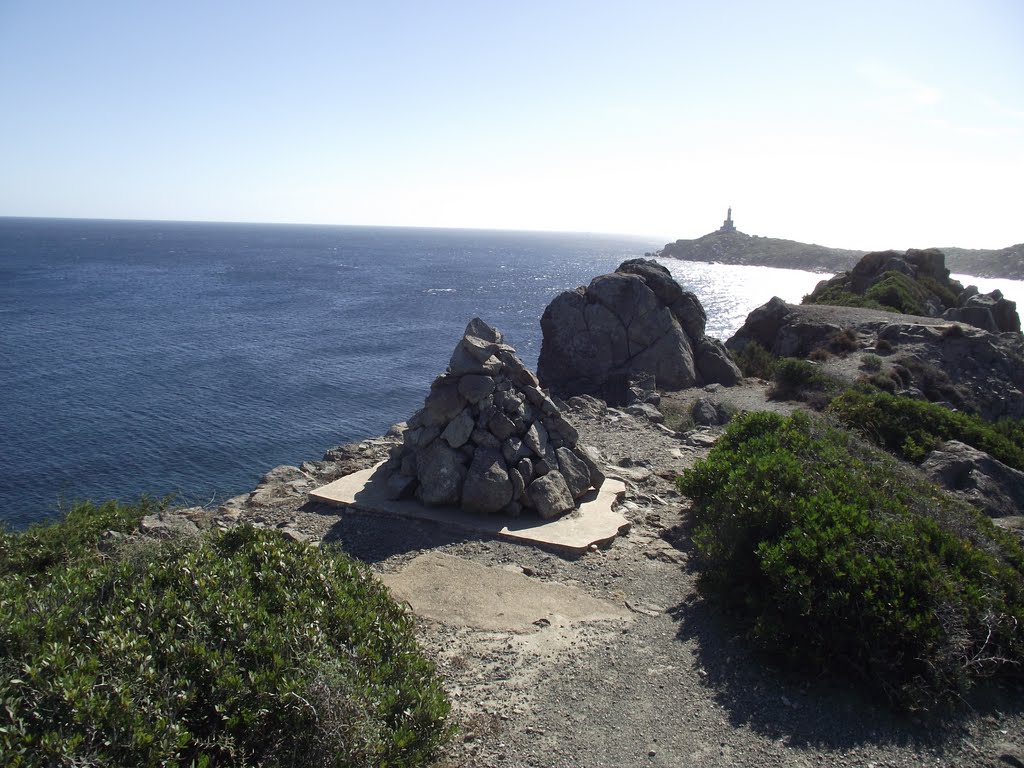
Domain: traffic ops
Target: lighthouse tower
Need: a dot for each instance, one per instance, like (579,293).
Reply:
(727,225)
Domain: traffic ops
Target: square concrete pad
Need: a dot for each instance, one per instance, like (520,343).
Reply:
(594,522)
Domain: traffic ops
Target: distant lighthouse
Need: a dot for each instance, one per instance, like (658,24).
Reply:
(727,225)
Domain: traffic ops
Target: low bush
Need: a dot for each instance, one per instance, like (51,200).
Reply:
(841,297)
(843,341)
(898,292)
(800,380)
(756,361)
(836,559)
(944,293)
(877,382)
(871,363)
(237,648)
(676,418)
(912,428)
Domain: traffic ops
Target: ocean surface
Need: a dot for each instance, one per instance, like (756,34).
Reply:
(190,358)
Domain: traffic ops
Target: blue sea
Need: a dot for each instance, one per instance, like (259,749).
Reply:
(189,358)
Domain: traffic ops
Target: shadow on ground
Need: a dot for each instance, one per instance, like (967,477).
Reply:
(813,710)
(373,537)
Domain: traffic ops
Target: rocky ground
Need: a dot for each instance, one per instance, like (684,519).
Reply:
(658,678)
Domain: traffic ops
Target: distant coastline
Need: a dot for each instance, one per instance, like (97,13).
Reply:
(729,246)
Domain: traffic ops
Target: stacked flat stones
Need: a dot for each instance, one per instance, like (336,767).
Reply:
(489,440)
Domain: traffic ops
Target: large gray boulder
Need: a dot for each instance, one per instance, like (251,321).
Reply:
(487,433)
(634,323)
(991,486)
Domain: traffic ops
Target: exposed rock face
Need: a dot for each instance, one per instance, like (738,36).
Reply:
(636,322)
(917,282)
(976,370)
(489,440)
(996,489)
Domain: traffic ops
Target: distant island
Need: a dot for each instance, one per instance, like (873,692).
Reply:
(727,245)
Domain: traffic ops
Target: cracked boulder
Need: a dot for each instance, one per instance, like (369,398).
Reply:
(489,440)
(634,323)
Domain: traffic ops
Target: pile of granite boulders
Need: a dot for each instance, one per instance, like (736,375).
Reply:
(489,440)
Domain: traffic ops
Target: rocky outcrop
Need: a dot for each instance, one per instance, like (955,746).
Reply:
(489,440)
(990,311)
(916,282)
(972,369)
(634,323)
(991,486)
(754,250)
(741,248)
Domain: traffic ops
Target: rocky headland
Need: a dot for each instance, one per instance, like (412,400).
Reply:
(612,657)
(735,247)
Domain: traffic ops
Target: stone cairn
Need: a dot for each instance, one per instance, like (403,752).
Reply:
(489,440)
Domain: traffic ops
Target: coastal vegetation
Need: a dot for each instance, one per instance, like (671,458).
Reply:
(233,648)
(837,559)
(911,428)
(755,361)
(895,292)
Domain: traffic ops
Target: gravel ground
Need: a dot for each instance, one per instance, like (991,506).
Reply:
(672,684)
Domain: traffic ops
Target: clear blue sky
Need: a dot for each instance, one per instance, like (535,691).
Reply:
(859,124)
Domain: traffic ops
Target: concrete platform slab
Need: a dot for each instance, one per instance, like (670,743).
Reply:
(594,522)
(459,592)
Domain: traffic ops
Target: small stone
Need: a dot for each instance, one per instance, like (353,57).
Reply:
(501,426)
(551,496)
(511,448)
(474,387)
(444,401)
(518,485)
(293,535)
(485,439)
(536,438)
(576,472)
(458,431)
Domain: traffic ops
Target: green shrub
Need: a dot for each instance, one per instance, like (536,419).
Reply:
(799,380)
(898,292)
(840,296)
(876,382)
(911,428)
(238,648)
(837,559)
(754,360)
(871,363)
(35,552)
(843,341)
(676,419)
(944,293)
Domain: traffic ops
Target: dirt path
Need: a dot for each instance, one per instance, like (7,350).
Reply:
(611,658)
